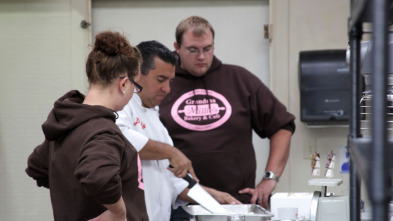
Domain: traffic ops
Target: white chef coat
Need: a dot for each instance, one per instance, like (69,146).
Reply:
(161,186)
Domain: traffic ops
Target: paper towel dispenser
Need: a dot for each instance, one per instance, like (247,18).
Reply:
(325,92)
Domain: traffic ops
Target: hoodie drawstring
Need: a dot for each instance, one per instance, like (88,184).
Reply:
(207,93)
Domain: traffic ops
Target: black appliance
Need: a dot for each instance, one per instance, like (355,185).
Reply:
(325,92)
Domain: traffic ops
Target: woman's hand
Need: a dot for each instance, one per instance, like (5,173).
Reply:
(109,216)
(115,212)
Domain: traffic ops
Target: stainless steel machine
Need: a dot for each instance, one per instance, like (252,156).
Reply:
(314,206)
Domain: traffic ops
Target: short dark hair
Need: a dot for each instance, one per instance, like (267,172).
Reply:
(152,49)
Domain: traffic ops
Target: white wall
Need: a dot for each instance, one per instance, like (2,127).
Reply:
(42,55)
(306,25)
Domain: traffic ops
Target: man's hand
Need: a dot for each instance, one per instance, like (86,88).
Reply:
(181,165)
(221,197)
(278,157)
(260,195)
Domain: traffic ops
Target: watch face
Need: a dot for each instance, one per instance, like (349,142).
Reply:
(268,174)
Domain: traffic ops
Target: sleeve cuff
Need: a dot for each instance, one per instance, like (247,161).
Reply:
(137,139)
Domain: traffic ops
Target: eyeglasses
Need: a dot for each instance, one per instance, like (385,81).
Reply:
(197,51)
(138,87)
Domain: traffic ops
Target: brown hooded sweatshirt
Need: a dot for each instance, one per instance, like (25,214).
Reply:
(86,161)
(211,120)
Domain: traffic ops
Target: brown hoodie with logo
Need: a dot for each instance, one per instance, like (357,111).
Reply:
(211,119)
(85,161)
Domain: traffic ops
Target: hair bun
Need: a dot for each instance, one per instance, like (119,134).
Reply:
(111,43)
(111,56)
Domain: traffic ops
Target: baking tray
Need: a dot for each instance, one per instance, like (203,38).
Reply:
(243,212)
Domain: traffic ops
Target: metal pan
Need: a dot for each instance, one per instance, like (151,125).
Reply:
(243,212)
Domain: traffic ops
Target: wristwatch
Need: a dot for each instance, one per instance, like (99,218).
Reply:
(269,175)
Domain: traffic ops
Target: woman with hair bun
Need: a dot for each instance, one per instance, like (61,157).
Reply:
(90,168)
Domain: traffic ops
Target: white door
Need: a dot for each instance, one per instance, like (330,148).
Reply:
(238,26)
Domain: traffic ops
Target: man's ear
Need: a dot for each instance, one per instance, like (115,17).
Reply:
(177,47)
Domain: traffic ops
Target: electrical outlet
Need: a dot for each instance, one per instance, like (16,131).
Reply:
(308,147)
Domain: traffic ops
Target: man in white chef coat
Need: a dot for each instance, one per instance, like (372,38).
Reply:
(162,188)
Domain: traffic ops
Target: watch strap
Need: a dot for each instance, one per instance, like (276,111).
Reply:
(269,175)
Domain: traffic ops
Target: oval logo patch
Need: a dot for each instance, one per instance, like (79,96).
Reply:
(201,110)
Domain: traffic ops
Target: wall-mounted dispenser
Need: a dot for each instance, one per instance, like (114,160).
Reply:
(325,92)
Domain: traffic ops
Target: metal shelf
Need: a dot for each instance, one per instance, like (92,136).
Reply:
(359,150)
(369,156)
(358,13)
